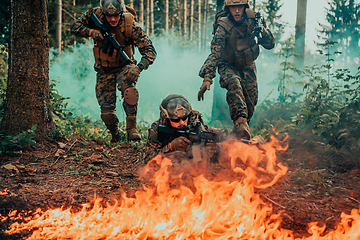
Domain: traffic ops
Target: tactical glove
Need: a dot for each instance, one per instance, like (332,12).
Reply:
(133,75)
(96,35)
(205,86)
(179,143)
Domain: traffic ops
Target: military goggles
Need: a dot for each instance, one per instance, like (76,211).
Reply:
(178,120)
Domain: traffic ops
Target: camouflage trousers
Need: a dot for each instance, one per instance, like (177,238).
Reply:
(242,90)
(106,84)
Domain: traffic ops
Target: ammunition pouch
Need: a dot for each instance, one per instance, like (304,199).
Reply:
(246,57)
(115,60)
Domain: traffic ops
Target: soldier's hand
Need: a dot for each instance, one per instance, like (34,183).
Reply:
(96,35)
(179,143)
(205,86)
(133,74)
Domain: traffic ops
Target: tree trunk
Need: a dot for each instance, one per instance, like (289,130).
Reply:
(147,17)
(220,109)
(300,29)
(152,16)
(58,24)
(199,23)
(74,4)
(132,3)
(192,19)
(185,19)
(204,23)
(28,91)
(178,3)
(167,16)
(141,17)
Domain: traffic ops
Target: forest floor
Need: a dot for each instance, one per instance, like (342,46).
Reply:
(69,173)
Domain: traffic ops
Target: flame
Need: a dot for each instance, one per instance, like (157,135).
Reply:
(172,207)
(4,192)
(7,192)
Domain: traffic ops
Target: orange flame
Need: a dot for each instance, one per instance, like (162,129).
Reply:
(4,192)
(170,208)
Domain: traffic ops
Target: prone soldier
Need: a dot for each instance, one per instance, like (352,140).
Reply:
(178,128)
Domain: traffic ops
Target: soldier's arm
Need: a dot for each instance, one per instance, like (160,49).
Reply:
(144,44)
(153,146)
(268,40)
(217,45)
(82,27)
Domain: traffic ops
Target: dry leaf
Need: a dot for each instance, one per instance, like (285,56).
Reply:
(62,145)
(11,167)
(58,152)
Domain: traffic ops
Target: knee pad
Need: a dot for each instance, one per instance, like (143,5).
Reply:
(131,95)
(109,117)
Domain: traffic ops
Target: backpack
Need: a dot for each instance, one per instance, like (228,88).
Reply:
(130,16)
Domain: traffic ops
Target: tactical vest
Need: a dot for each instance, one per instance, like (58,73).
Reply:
(241,48)
(122,34)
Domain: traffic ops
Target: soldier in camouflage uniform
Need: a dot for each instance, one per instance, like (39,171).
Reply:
(112,71)
(175,111)
(233,52)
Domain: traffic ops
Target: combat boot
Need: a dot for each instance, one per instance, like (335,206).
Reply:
(241,129)
(115,136)
(132,133)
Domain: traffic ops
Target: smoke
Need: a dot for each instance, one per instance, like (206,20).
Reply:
(175,71)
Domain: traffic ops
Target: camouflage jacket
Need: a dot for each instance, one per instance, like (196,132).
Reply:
(154,146)
(219,42)
(139,38)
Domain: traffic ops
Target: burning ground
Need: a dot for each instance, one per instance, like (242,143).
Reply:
(80,189)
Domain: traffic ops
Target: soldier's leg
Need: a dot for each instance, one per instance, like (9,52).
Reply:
(249,84)
(235,97)
(106,96)
(131,97)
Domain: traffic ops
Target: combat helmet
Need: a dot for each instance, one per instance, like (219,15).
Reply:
(236,2)
(175,106)
(112,7)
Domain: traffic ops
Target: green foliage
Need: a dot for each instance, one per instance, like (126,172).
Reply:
(331,112)
(274,117)
(271,9)
(327,45)
(343,20)
(287,81)
(4,21)
(25,140)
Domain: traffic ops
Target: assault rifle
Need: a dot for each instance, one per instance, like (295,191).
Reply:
(109,38)
(193,132)
(259,21)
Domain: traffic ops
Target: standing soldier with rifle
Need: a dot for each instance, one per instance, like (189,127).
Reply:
(115,32)
(233,51)
(178,128)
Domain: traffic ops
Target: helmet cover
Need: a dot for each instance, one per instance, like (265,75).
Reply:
(175,106)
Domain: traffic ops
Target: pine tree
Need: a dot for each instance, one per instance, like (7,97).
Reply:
(343,17)
(272,16)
